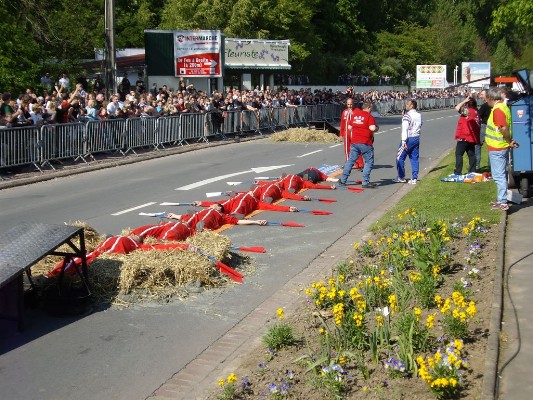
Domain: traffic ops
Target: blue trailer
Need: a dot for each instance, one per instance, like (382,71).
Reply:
(521,163)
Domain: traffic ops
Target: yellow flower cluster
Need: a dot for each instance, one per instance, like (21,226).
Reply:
(393,304)
(418,312)
(338,313)
(379,320)
(322,293)
(414,276)
(444,382)
(476,222)
(354,294)
(430,320)
(358,318)
(232,378)
(281,313)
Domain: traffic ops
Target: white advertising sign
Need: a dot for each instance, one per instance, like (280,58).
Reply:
(256,53)
(473,71)
(430,76)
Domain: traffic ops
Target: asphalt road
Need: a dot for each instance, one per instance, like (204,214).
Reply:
(128,353)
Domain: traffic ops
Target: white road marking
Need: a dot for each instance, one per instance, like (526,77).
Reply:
(257,170)
(133,208)
(335,145)
(308,154)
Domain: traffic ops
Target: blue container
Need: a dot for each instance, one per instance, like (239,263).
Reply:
(522,157)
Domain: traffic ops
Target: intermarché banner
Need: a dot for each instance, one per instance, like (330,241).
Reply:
(197,53)
(256,53)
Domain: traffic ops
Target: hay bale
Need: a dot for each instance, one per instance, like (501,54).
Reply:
(212,243)
(304,135)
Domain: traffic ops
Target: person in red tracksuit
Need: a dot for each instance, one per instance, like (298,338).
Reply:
(213,218)
(244,203)
(113,245)
(314,175)
(269,192)
(173,231)
(345,129)
(295,183)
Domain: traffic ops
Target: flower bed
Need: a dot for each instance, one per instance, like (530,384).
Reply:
(406,316)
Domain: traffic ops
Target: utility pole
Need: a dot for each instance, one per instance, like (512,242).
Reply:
(110,72)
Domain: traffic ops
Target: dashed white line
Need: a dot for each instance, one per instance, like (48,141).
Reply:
(308,154)
(133,208)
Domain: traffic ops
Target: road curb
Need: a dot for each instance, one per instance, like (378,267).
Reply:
(493,343)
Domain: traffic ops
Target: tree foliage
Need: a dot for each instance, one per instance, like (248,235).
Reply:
(328,37)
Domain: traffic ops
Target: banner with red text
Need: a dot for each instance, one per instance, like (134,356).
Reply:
(197,53)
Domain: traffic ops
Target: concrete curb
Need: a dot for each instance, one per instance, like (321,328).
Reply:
(493,343)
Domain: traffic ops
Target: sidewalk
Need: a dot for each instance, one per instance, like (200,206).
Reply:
(515,361)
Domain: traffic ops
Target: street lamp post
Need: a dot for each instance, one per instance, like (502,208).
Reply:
(110,71)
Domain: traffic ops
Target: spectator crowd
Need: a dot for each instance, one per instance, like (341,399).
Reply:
(58,102)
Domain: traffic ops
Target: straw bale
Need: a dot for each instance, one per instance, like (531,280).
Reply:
(304,135)
(212,243)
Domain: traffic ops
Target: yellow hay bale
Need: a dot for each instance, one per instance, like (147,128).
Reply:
(212,243)
(304,135)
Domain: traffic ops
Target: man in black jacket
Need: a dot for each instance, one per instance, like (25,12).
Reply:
(483,113)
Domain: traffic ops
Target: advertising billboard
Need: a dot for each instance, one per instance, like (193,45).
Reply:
(256,53)
(431,76)
(197,53)
(475,71)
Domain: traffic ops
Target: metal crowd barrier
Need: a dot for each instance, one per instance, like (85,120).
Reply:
(192,127)
(19,146)
(167,131)
(79,141)
(62,141)
(104,136)
(139,132)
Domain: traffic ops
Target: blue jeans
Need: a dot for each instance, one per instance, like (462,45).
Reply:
(478,146)
(413,145)
(367,152)
(498,165)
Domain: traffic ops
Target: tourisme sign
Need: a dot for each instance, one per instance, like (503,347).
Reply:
(256,54)
(431,76)
(197,53)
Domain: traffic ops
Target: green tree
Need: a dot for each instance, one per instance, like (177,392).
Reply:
(502,61)
(411,45)
(514,15)
(18,66)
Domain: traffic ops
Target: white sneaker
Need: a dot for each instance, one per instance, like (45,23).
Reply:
(412,181)
(399,180)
